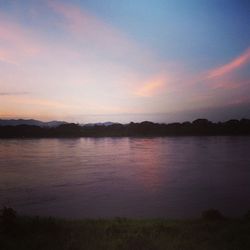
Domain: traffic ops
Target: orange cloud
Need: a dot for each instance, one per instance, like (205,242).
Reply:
(22,100)
(152,87)
(231,66)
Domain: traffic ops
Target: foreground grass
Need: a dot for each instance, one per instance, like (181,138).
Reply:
(50,233)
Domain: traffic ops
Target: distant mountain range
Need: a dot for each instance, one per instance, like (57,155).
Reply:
(31,122)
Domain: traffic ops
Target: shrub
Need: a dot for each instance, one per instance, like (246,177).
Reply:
(212,214)
(247,215)
(8,219)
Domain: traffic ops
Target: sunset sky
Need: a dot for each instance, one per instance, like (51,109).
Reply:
(124,60)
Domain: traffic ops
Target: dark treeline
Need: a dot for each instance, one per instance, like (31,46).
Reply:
(197,127)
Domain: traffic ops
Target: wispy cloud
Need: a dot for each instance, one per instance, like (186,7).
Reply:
(91,29)
(153,87)
(229,84)
(5,58)
(17,42)
(112,44)
(231,66)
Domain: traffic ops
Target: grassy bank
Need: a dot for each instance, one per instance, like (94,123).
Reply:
(50,233)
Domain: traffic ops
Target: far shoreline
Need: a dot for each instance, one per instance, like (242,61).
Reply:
(199,127)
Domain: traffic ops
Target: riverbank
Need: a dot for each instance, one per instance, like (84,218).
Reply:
(51,233)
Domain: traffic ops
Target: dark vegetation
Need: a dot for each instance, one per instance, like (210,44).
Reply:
(208,233)
(197,127)
(212,214)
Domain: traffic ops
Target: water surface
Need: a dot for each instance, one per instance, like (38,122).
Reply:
(173,177)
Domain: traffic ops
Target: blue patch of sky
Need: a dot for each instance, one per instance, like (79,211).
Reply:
(200,32)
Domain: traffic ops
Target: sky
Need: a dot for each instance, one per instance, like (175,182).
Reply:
(127,60)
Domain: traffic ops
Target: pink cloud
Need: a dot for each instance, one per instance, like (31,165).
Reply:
(229,84)
(224,77)
(231,66)
(6,58)
(89,27)
(17,42)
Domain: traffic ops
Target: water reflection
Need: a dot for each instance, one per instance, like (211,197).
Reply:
(147,157)
(152,177)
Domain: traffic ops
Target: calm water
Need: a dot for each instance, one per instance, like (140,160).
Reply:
(170,177)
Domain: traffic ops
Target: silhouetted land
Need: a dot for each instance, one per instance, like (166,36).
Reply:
(197,127)
(211,232)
